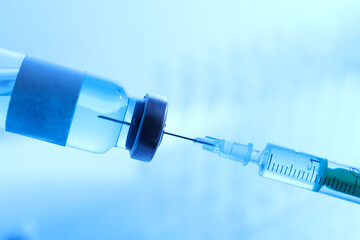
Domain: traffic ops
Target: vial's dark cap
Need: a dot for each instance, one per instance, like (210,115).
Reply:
(147,127)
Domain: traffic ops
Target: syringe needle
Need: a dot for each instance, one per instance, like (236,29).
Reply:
(195,140)
(114,120)
(179,136)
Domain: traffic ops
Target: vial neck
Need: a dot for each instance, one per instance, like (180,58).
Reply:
(121,141)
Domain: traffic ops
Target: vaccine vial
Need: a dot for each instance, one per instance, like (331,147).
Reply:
(71,108)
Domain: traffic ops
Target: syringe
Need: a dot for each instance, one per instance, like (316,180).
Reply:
(285,165)
(290,166)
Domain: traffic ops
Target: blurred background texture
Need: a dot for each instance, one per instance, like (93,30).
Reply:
(285,72)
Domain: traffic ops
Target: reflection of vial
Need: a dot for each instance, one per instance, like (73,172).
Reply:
(62,106)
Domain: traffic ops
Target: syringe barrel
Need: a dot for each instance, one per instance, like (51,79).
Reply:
(310,172)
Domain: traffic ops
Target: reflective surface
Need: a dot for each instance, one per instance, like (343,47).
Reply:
(97,97)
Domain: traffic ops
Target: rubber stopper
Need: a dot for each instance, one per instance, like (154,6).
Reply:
(147,128)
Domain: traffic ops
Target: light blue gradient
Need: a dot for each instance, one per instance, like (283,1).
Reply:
(285,72)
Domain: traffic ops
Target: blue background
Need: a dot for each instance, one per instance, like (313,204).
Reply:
(286,72)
